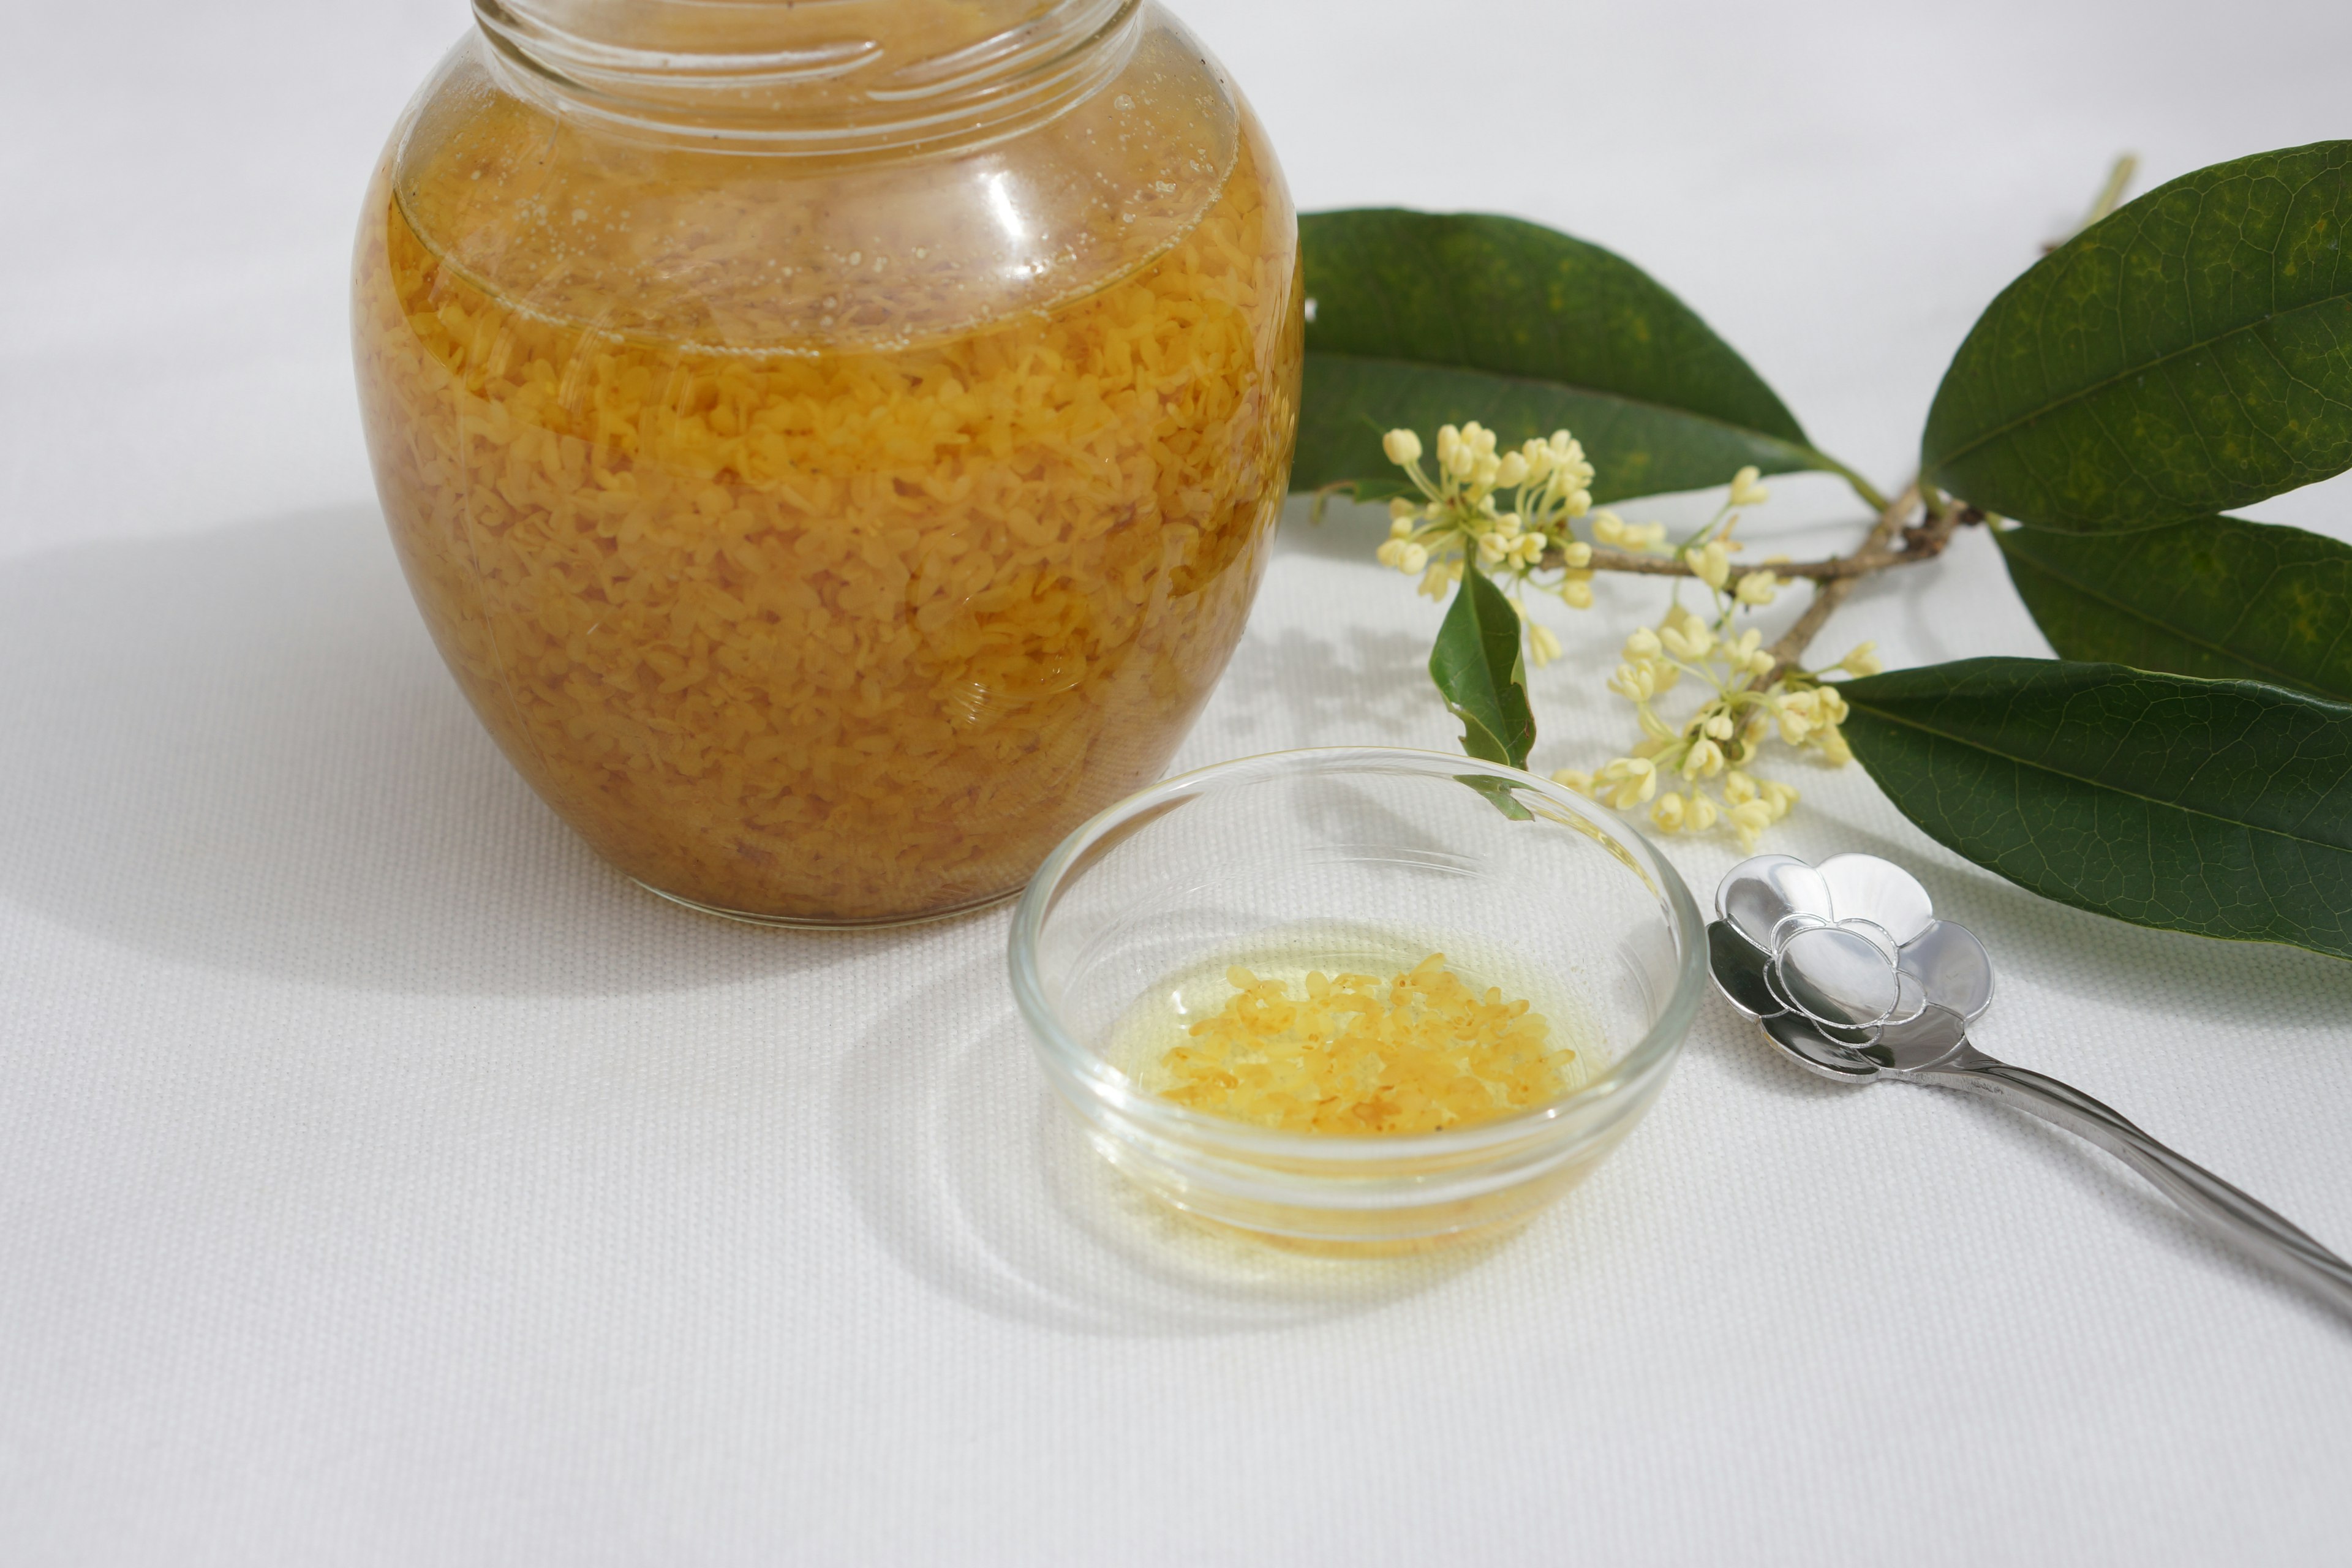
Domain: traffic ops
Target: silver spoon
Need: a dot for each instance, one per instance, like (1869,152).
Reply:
(1849,972)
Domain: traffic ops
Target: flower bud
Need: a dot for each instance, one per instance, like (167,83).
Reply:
(1689,642)
(1635,778)
(1402,447)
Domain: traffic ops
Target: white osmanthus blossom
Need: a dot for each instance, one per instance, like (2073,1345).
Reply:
(1461,517)
(1695,773)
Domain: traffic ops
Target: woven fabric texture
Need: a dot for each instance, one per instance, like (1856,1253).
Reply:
(383,1181)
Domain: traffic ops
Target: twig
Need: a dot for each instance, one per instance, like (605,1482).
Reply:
(1893,541)
(1861,564)
(1921,542)
(2110,198)
(1932,535)
(1323,494)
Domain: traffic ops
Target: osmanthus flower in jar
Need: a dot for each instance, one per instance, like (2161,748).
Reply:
(834,447)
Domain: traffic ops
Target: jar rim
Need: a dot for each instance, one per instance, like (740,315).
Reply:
(780,77)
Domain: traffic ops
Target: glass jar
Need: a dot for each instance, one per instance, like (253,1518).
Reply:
(834,447)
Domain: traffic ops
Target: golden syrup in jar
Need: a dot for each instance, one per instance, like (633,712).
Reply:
(805,577)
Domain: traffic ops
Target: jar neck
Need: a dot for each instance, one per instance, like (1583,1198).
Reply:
(836,79)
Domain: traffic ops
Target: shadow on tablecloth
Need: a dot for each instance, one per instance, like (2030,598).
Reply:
(240,750)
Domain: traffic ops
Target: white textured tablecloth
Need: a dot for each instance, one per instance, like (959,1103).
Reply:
(383,1182)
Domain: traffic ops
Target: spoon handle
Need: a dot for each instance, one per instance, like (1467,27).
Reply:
(2232,1215)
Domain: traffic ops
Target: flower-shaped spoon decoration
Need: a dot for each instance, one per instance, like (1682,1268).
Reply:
(1849,971)
(1829,957)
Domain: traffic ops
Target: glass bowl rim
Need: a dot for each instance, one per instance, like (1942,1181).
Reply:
(1647,1058)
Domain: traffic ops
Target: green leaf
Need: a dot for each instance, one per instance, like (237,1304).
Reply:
(1635,449)
(2221,597)
(1475,664)
(1498,794)
(2222,807)
(2188,353)
(1429,318)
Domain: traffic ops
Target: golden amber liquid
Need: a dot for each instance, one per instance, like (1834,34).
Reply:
(838,636)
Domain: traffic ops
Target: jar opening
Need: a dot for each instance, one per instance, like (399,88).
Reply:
(831,78)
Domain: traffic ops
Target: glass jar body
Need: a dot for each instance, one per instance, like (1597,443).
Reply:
(825,535)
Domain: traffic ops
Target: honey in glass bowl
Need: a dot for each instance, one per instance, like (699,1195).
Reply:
(834,447)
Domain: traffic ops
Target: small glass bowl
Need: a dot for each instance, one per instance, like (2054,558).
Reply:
(1369,854)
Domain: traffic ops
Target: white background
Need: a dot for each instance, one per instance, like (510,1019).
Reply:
(382,1180)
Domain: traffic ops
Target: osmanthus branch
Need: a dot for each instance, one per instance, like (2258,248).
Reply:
(1905,535)
(1929,536)
(1889,544)
(1861,564)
